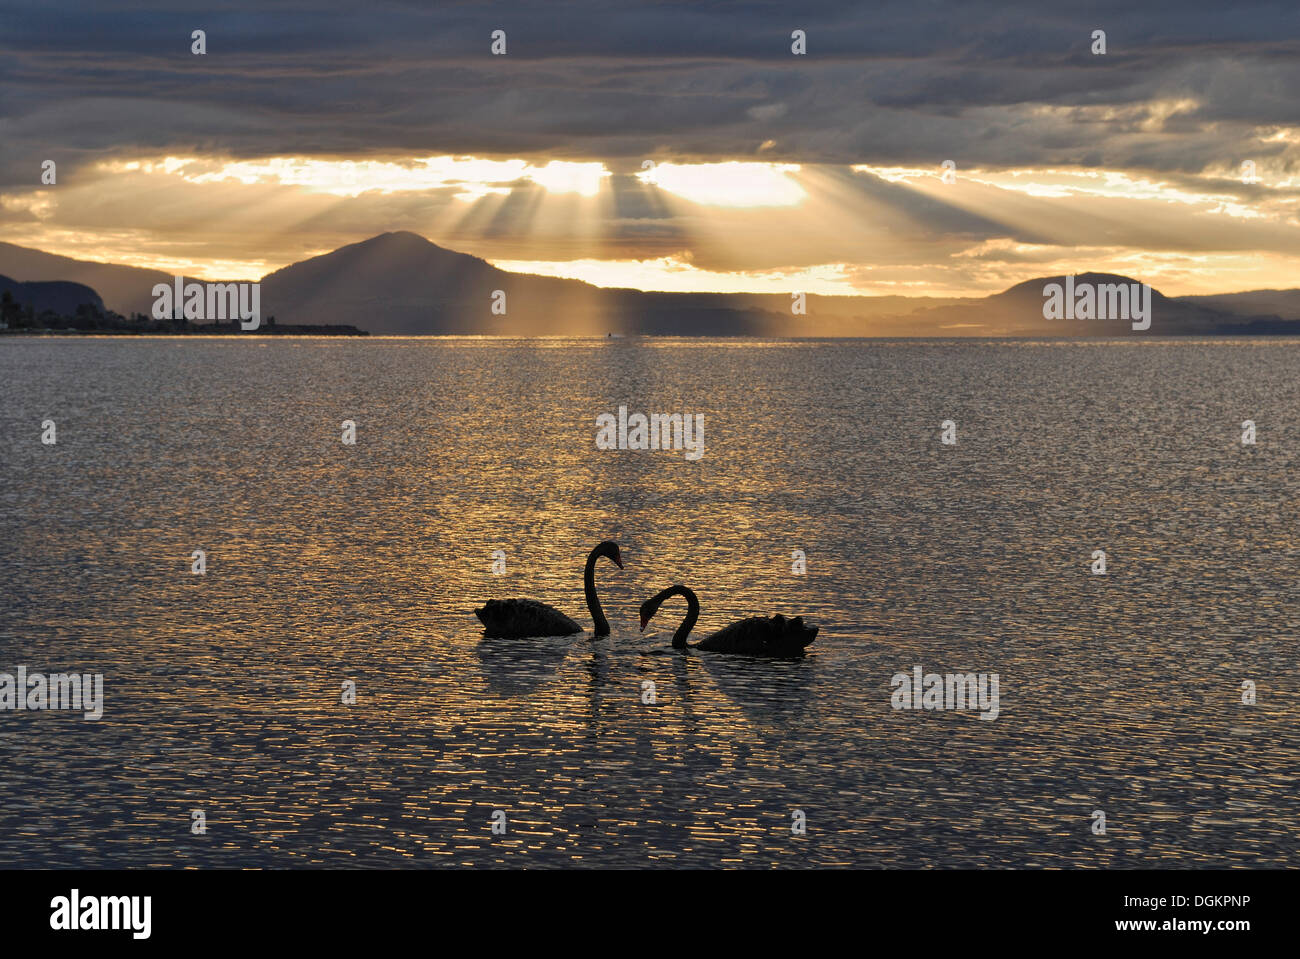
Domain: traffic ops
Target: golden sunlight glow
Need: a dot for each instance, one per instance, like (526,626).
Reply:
(559,176)
(126,248)
(728,184)
(34,206)
(671,274)
(1063,183)
(728,227)
(471,176)
(1149,116)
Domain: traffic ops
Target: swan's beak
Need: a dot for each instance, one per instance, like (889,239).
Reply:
(644,620)
(618,561)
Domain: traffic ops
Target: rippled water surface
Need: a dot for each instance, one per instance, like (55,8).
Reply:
(330,563)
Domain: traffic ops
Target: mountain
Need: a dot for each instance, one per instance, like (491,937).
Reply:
(63,298)
(402,283)
(1018,311)
(1284,304)
(125,289)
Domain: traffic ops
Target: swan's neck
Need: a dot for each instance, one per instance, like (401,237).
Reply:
(598,619)
(692,614)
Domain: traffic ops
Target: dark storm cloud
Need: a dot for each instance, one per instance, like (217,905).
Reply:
(905,82)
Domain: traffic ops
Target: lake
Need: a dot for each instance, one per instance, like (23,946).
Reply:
(330,564)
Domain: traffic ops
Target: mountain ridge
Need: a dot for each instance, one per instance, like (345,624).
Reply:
(402,283)
(57,296)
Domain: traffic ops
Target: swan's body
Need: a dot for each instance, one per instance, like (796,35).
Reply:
(521,618)
(756,636)
(515,618)
(762,636)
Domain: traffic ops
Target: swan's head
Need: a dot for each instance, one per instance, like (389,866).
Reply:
(651,605)
(609,549)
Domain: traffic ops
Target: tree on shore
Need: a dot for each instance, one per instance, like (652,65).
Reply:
(10,311)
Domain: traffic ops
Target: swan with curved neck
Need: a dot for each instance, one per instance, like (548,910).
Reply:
(520,618)
(756,636)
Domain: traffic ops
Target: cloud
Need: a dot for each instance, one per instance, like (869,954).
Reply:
(1186,92)
(981,82)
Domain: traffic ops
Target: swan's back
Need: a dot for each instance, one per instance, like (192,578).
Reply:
(762,636)
(519,618)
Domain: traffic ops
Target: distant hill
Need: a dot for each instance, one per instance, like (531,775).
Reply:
(402,283)
(124,289)
(61,297)
(1284,304)
(1018,311)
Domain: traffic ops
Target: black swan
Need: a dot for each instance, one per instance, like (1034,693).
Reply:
(522,618)
(756,636)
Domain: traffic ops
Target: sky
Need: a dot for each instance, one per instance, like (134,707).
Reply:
(916,148)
